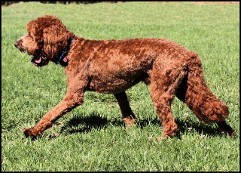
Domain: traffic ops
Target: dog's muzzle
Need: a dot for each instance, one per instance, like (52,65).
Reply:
(18,45)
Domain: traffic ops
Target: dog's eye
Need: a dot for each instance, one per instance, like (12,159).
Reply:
(31,36)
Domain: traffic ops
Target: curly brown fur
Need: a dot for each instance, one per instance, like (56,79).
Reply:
(113,66)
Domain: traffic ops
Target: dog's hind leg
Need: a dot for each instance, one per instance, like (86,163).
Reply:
(128,116)
(164,81)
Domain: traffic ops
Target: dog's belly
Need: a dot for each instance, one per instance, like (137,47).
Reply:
(114,84)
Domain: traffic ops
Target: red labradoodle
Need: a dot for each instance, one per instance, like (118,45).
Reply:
(113,66)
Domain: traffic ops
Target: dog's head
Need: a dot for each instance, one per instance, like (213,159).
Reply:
(46,39)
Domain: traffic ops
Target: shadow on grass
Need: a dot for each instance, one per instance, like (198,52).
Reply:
(85,124)
(186,127)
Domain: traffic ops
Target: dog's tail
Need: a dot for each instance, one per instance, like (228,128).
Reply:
(199,98)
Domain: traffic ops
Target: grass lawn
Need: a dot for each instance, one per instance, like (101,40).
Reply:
(93,137)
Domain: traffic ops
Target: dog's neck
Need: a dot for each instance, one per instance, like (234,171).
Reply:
(63,58)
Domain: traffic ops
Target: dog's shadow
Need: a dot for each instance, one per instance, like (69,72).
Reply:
(85,124)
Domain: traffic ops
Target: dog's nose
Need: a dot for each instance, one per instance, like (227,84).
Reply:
(16,44)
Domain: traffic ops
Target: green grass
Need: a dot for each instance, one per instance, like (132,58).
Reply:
(92,137)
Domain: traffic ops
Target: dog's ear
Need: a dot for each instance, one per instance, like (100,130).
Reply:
(55,39)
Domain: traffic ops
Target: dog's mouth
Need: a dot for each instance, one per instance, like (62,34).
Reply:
(39,60)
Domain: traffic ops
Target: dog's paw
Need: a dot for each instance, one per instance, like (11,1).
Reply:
(129,121)
(230,133)
(233,134)
(29,133)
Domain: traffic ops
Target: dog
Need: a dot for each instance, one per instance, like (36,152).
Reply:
(113,66)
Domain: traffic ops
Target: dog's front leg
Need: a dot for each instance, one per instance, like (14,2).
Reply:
(73,98)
